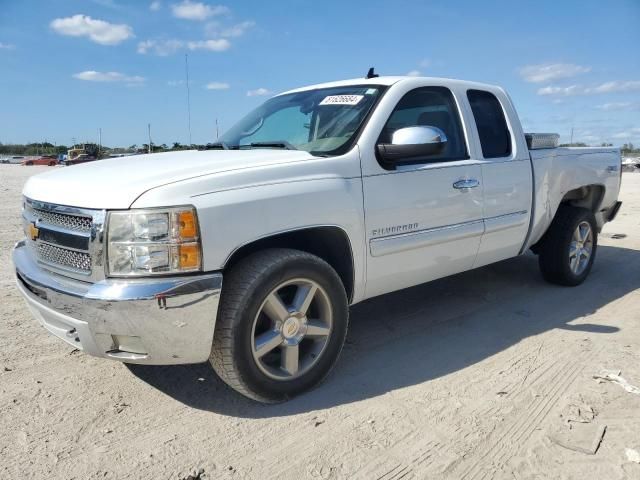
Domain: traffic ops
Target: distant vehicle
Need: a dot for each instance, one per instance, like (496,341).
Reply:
(81,158)
(16,159)
(86,152)
(4,160)
(631,163)
(49,160)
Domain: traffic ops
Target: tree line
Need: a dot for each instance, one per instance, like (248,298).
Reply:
(627,148)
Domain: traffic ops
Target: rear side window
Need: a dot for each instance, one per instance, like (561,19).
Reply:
(495,138)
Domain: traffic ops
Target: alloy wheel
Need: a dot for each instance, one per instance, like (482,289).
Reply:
(291,329)
(580,248)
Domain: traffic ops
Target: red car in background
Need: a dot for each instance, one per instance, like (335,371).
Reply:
(50,160)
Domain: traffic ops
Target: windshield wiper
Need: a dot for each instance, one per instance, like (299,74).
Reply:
(278,144)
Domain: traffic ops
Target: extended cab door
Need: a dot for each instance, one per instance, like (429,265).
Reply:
(423,217)
(506,172)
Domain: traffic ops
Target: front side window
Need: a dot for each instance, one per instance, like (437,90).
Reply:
(433,107)
(495,138)
(323,121)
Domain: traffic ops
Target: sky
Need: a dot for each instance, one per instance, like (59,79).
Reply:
(71,67)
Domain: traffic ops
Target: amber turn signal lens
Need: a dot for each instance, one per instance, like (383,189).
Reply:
(189,256)
(187,224)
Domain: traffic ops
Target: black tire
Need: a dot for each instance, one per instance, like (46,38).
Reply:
(554,249)
(245,288)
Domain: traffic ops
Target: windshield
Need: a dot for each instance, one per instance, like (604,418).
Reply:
(322,122)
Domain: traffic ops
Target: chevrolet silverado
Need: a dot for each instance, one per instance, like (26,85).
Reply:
(248,253)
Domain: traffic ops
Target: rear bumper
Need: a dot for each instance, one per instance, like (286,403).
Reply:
(157,321)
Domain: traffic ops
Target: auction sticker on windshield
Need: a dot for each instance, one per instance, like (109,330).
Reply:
(342,100)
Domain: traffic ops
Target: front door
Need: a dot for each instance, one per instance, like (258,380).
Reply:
(423,218)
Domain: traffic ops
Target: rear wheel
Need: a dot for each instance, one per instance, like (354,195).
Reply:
(569,247)
(281,324)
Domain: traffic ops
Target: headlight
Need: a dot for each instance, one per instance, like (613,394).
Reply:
(153,242)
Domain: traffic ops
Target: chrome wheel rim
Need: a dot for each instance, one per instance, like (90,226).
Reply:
(291,329)
(581,248)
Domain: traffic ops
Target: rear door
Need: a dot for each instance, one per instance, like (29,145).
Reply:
(506,172)
(423,218)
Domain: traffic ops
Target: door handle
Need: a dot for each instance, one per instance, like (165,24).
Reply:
(466,183)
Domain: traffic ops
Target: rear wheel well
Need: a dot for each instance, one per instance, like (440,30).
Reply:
(329,243)
(588,197)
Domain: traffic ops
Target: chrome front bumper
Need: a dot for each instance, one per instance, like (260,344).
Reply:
(156,321)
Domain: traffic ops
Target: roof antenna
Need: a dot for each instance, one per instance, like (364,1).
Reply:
(371,74)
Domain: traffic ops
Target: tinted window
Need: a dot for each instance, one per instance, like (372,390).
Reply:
(434,107)
(492,126)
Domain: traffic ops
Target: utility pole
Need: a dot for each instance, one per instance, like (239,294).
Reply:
(99,141)
(149,130)
(217,132)
(571,142)
(186,69)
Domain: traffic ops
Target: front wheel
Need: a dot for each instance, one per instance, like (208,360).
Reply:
(281,324)
(569,247)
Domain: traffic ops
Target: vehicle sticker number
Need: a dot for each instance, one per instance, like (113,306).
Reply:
(342,100)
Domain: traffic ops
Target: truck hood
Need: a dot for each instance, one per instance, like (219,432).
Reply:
(116,183)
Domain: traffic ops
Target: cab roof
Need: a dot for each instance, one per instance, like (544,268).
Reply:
(390,80)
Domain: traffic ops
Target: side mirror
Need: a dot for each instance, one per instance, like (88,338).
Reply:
(412,142)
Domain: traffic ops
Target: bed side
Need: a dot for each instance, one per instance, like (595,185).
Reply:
(586,177)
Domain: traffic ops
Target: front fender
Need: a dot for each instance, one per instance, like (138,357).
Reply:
(241,207)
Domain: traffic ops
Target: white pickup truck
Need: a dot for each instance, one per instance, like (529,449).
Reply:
(249,253)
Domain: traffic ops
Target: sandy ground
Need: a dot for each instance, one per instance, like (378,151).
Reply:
(481,375)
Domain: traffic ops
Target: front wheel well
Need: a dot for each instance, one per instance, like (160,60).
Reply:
(330,243)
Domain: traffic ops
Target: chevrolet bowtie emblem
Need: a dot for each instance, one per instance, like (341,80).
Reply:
(33,231)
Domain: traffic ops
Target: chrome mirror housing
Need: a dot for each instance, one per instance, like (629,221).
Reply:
(412,144)
(418,135)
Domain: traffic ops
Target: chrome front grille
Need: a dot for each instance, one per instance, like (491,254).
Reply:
(66,240)
(69,222)
(65,257)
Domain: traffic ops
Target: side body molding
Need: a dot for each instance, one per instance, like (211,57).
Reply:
(391,244)
(504,222)
(424,238)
